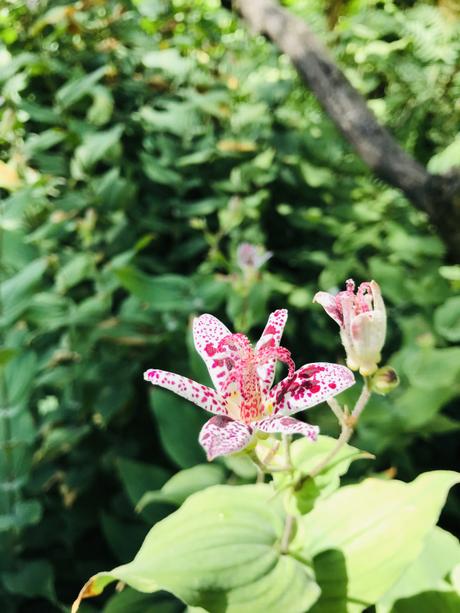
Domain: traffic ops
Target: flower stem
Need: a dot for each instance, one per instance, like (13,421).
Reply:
(347,422)
(343,439)
(287,533)
(271,454)
(263,468)
(286,438)
(362,401)
(336,409)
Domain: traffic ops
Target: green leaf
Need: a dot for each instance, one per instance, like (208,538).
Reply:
(138,477)
(78,268)
(169,61)
(94,147)
(59,440)
(159,173)
(176,117)
(179,423)
(101,110)
(26,513)
(130,601)
(162,293)
(33,578)
(440,554)
(20,376)
(219,551)
(44,141)
(17,290)
(6,354)
(185,483)
(446,159)
(123,537)
(447,319)
(433,368)
(305,456)
(429,602)
(77,88)
(363,537)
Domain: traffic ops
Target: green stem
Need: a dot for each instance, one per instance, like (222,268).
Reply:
(347,423)
(336,409)
(343,439)
(362,401)
(287,533)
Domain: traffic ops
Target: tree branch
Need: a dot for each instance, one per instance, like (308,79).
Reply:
(437,195)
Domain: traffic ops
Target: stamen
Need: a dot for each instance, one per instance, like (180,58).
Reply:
(363,302)
(350,285)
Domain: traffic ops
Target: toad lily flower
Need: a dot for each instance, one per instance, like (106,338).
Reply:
(243,400)
(362,320)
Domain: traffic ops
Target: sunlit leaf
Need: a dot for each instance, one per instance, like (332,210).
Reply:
(219,551)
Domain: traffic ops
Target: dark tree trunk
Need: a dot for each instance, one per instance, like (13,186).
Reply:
(437,195)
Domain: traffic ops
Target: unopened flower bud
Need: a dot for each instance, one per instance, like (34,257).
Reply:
(385,380)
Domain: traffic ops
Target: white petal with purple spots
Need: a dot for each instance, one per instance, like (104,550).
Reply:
(310,385)
(287,425)
(201,395)
(222,436)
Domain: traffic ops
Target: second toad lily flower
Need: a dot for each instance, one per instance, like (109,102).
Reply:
(244,400)
(362,319)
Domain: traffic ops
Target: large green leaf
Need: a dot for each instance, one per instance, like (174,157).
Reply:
(219,551)
(363,537)
(440,554)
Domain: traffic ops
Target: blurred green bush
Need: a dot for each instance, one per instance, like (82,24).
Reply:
(142,142)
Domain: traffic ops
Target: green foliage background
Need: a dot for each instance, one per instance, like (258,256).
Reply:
(142,142)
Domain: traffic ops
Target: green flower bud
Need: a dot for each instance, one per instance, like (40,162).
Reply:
(385,380)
